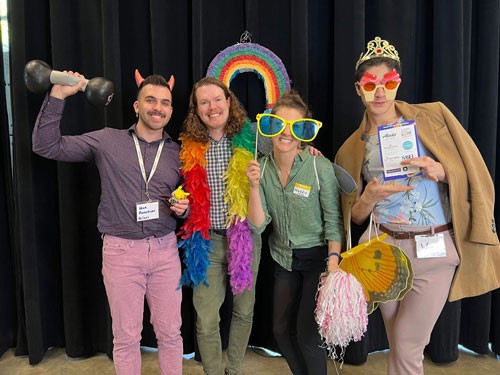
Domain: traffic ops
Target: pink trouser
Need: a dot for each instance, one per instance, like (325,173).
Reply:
(409,323)
(132,269)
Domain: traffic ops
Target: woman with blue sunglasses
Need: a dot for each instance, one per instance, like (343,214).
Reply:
(299,194)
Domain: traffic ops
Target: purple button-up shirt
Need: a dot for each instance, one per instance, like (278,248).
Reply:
(122,184)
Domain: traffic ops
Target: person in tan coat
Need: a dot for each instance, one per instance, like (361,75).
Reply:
(448,202)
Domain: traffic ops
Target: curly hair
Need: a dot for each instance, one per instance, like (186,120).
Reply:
(193,127)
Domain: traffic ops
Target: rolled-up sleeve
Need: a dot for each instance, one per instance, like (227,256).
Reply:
(329,196)
(259,229)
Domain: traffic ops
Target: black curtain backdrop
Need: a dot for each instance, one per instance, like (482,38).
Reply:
(8,322)
(51,290)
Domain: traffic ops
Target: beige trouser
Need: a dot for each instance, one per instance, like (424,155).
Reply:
(409,323)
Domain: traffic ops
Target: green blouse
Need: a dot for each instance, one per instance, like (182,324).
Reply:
(306,212)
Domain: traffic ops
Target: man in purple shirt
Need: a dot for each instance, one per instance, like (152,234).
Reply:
(137,166)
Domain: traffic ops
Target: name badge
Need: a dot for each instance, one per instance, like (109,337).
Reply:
(430,246)
(147,210)
(302,190)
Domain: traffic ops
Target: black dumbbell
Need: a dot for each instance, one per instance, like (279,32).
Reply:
(38,75)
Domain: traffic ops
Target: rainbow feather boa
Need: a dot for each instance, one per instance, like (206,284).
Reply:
(195,238)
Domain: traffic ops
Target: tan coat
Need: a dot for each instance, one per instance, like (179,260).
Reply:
(471,192)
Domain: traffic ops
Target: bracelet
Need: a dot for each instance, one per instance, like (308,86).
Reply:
(333,253)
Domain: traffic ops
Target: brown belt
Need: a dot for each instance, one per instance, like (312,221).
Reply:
(406,235)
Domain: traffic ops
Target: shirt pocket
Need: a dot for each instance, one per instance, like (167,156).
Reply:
(302,197)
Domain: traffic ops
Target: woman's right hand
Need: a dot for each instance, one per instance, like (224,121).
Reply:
(253,173)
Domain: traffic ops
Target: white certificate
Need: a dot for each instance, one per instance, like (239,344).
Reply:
(398,142)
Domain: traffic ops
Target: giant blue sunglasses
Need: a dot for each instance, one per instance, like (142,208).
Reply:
(304,129)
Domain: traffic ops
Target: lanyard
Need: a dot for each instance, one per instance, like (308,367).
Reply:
(141,162)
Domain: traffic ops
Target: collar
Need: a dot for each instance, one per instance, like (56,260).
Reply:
(164,136)
(407,111)
(218,141)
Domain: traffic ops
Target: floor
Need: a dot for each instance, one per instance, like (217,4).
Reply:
(256,362)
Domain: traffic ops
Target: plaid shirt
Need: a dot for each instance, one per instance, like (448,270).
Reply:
(218,155)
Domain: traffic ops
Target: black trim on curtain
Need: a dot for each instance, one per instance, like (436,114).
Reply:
(8,319)
(450,52)
(39,288)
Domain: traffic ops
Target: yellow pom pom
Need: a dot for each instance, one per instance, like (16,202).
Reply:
(178,194)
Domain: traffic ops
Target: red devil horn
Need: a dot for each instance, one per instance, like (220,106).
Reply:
(138,78)
(171,82)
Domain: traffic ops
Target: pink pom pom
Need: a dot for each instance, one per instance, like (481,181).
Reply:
(341,311)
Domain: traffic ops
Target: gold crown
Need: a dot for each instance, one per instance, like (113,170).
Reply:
(378,48)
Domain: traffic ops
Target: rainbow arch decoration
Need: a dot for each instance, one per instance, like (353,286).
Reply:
(252,57)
